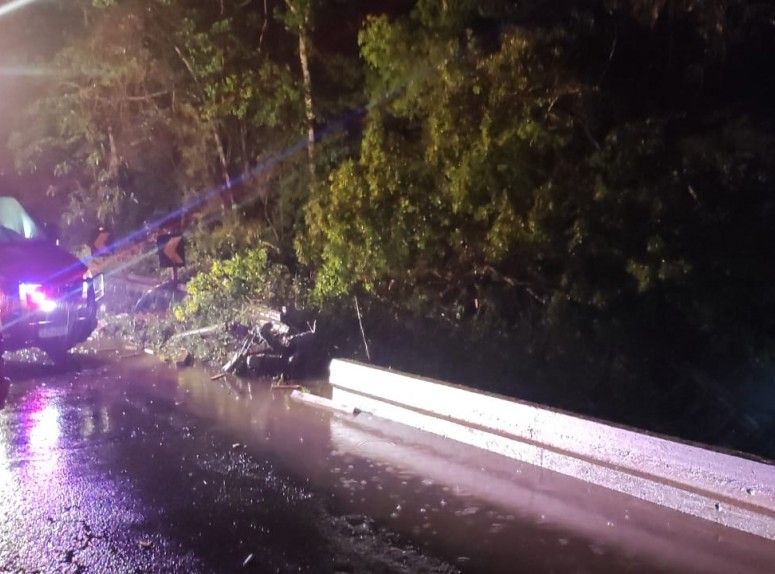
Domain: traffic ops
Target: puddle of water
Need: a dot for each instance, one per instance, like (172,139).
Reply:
(480,511)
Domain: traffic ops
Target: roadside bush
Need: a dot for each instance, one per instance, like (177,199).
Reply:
(222,241)
(232,285)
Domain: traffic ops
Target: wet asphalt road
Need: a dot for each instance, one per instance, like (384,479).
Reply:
(121,464)
(100,471)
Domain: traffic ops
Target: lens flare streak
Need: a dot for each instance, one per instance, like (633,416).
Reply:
(9,7)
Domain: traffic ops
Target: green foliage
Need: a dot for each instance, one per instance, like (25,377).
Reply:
(458,165)
(232,284)
(554,182)
(232,235)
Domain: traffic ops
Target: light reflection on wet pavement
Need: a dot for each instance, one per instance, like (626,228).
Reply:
(128,465)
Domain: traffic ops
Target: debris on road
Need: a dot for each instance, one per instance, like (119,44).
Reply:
(266,342)
(238,361)
(183,359)
(267,363)
(106,350)
(201,331)
(159,298)
(270,350)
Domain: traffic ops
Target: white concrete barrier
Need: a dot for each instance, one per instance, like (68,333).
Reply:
(731,490)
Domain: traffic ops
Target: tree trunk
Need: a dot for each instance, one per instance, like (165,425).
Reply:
(309,109)
(227,196)
(114,162)
(303,22)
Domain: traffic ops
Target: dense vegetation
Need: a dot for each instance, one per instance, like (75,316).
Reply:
(573,199)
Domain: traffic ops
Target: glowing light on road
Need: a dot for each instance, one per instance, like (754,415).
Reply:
(9,7)
(44,439)
(44,434)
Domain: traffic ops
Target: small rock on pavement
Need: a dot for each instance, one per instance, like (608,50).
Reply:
(183,359)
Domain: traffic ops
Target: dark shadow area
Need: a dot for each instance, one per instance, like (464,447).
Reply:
(5,386)
(640,383)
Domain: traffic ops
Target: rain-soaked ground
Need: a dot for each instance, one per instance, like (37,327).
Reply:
(121,464)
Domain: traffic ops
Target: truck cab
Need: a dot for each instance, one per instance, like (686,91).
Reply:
(48,298)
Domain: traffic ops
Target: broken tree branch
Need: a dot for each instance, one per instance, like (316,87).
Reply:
(360,324)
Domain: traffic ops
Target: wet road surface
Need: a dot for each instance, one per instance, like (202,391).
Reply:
(122,464)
